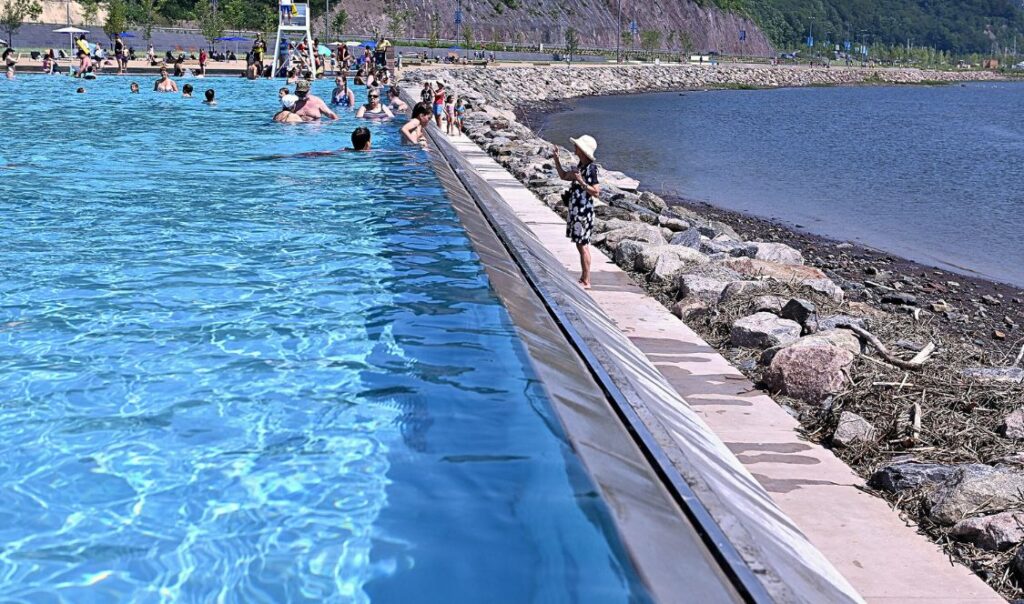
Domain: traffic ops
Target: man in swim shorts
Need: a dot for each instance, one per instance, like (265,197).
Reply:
(165,83)
(310,107)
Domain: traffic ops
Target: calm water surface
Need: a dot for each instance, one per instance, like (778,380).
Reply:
(231,378)
(930,173)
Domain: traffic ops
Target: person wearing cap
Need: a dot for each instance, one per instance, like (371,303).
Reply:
(286,115)
(310,107)
(580,198)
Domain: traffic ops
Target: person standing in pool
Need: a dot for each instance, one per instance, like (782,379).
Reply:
(210,97)
(373,109)
(9,62)
(579,226)
(311,107)
(394,102)
(361,140)
(286,115)
(120,55)
(165,83)
(186,91)
(342,95)
(413,130)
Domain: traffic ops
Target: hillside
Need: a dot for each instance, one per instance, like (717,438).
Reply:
(961,26)
(683,24)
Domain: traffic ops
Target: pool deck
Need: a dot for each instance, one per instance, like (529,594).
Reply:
(883,557)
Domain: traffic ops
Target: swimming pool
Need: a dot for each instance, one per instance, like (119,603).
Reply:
(225,376)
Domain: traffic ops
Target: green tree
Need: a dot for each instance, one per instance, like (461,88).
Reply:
(572,43)
(15,12)
(339,23)
(117,18)
(650,40)
(627,37)
(467,36)
(90,11)
(211,24)
(235,14)
(148,10)
(434,31)
(397,20)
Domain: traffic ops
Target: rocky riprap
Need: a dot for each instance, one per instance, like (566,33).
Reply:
(938,438)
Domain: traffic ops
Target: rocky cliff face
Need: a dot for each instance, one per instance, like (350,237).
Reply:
(683,24)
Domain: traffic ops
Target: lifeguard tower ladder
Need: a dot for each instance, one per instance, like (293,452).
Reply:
(293,18)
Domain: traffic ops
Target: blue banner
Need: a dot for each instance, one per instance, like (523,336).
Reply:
(743,35)
(810,41)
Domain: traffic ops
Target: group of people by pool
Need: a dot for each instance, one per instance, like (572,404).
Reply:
(304,106)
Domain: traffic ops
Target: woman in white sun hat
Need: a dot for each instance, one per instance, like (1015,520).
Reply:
(580,199)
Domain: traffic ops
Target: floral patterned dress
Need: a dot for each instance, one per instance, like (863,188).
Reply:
(580,225)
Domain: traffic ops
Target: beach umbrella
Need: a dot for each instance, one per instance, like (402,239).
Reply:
(352,44)
(370,44)
(324,51)
(71,31)
(127,34)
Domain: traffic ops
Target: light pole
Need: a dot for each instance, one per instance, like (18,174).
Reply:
(618,34)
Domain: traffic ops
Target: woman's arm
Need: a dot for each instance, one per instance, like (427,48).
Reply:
(558,165)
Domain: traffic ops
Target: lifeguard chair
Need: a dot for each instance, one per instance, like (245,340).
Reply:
(293,21)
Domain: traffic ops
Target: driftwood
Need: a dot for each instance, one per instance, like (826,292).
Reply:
(914,364)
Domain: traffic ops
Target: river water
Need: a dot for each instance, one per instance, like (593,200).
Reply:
(929,173)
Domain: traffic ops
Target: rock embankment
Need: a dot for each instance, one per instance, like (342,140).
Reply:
(877,379)
(508,89)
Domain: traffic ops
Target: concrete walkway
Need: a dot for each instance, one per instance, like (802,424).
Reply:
(881,556)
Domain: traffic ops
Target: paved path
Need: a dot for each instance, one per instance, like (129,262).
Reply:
(884,559)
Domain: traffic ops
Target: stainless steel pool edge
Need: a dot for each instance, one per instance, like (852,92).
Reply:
(670,555)
(745,521)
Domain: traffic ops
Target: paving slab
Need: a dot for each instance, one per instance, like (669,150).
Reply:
(882,556)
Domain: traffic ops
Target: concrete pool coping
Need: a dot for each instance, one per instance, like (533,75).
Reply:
(655,534)
(624,370)
(837,531)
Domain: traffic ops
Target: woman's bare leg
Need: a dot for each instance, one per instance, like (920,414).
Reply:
(584,251)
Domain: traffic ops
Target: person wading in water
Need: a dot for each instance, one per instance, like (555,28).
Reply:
(580,199)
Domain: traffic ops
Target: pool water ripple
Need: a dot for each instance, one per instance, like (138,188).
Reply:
(231,377)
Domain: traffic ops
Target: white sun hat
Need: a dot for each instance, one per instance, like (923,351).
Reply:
(288,101)
(586,144)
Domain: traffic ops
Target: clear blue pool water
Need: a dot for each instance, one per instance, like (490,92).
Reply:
(237,379)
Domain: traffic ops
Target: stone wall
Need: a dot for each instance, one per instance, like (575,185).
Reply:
(508,89)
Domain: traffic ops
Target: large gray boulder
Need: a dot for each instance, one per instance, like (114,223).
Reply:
(803,275)
(841,338)
(1012,425)
(652,202)
(763,330)
(649,256)
(809,373)
(998,532)
(910,474)
(852,430)
(771,252)
(973,490)
(739,288)
(689,238)
(803,312)
(634,232)
(701,287)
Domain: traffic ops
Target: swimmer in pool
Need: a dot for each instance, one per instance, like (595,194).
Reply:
(165,83)
(210,100)
(286,115)
(395,103)
(342,95)
(311,107)
(373,109)
(186,91)
(413,131)
(134,88)
(361,140)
